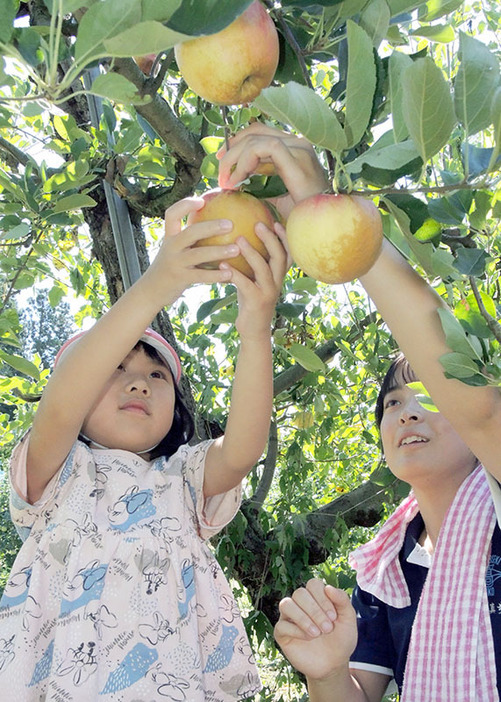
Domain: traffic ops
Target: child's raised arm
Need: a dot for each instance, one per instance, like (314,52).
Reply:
(232,456)
(410,308)
(78,379)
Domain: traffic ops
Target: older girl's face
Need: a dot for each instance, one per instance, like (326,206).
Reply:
(419,444)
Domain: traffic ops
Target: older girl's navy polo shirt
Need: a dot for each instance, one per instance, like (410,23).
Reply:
(384,632)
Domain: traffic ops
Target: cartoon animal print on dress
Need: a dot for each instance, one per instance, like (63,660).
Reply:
(101,617)
(32,610)
(239,684)
(19,584)
(155,573)
(171,686)
(79,662)
(7,654)
(132,507)
(88,583)
(160,630)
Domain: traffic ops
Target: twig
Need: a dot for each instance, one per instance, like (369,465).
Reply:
(492,323)
(293,43)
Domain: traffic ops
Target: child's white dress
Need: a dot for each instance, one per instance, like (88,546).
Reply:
(115,595)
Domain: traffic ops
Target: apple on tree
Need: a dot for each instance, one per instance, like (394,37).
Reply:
(232,66)
(145,62)
(334,238)
(245,211)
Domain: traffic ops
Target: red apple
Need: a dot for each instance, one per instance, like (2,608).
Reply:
(245,211)
(334,238)
(145,63)
(232,66)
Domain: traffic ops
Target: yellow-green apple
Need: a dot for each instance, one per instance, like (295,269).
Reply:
(245,211)
(232,66)
(334,238)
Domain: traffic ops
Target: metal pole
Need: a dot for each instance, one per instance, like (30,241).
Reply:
(121,224)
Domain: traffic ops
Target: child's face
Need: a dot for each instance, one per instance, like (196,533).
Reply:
(136,406)
(419,444)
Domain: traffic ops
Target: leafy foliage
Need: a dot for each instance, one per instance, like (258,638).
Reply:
(402,100)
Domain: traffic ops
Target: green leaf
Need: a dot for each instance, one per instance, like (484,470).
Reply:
(455,335)
(396,66)
(476,79)
(442,263)
(211,306)
(471,319)
(385,164)
(398,7)
(20,364)
(144,38)
(8,11)
(18,232)
(445,210)
(375,20)
(24,281)
(422,252)
(459,365)
(471,262)
(427,107)
(483,203)
(117,88)
(290,310)
(360,84)
(208,17)
(74,175)
(101,22)
(305,111)
(496,121)
(422,396)
(306,357)
(211,144)
(414,207)
(73,202)
(159,11)
(439,8)
(443,33)
(56,294)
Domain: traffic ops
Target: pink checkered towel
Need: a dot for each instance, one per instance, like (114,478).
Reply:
(451,652)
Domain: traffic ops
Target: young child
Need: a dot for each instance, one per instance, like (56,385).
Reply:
(426,606)
(115,594)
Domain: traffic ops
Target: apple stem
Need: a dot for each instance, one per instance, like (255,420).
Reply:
(341,181)
(224,112)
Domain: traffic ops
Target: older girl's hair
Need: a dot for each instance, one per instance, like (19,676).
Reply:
(399,371)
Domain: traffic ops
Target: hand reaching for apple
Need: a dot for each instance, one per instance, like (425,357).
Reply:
(292,157)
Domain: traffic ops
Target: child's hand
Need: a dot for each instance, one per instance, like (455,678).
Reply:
(293,157)
(175,267)
(257,299)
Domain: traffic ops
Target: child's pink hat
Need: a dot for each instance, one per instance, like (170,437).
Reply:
(150,337)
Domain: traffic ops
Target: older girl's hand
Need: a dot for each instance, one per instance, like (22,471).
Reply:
(317,629)
(293,158)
